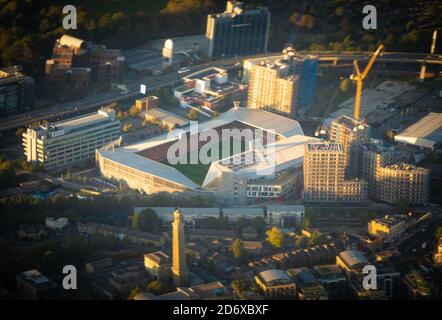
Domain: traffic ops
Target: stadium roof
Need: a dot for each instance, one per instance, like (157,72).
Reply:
(286,153)
(257,118)
(146,165)
(424,133)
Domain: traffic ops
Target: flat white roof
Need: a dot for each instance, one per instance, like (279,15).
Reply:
(425,133)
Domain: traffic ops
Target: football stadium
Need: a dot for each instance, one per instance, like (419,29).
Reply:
(240,175)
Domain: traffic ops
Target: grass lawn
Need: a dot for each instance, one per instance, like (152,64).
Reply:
(98,8)
(197,172)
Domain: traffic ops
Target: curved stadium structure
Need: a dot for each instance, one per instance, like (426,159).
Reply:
(144,166)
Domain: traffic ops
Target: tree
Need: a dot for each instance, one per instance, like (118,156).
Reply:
(133,293)
(438,233)
(127,127)
(149,221)
(275,237)
(193,115)
(259,224)
(317,238)
(301,242)
(237,248)
(306,223)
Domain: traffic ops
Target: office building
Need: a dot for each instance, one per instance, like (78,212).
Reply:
(33,285)
(237,31)
(284,84)
(180,272)
(76,62)
(276,285)
(158,265)
(324,176)
(61,144)
(16,92)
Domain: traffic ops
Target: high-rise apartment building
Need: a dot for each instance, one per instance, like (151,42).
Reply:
(284,85)
(16,91)
(324,175)
(373,158)
(350,134)
(403,182)
(58,145)
(180,272)
(390,180)
(238,31)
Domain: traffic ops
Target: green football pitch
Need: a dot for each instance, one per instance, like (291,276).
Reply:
(197,172)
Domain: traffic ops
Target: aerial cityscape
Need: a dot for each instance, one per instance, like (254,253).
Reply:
(220,150)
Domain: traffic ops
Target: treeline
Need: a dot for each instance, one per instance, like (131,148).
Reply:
(28,28)
(104,209)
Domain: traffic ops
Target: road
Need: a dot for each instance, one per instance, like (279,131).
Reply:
(97,100)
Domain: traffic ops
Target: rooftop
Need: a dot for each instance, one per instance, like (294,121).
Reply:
(12,74)
(35,278)
(64,127)
(426,132)
(353,258)
(406,167)
(159,257)
(324,147)
(166,116)
(274,157)
(275,277)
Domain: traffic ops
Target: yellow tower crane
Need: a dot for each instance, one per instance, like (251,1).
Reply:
(360,77)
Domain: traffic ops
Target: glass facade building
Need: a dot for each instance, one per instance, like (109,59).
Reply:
(237,32)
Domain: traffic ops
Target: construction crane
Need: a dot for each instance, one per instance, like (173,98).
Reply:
(423,71)
(360,77)
(294,30)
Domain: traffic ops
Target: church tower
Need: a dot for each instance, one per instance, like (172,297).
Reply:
(179,264)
